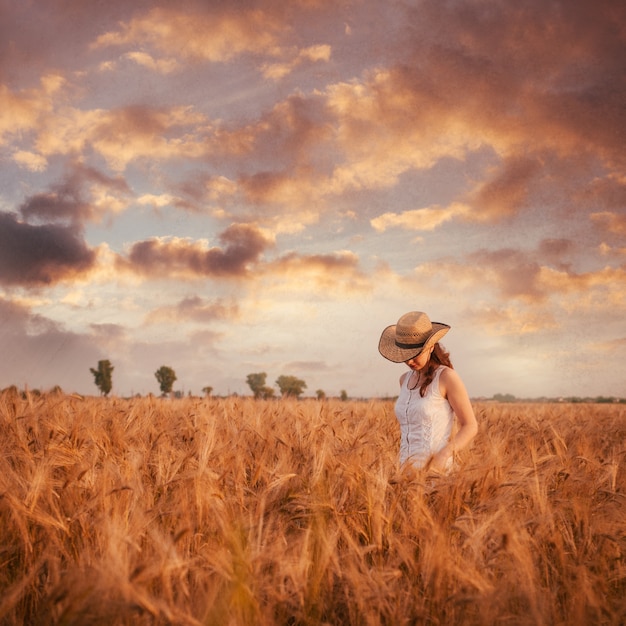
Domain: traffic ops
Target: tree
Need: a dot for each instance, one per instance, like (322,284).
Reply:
(256,382)
(321,395)
(504,397)
(343,395)
(103,376)
(166,377)
(207,391)
(290,385)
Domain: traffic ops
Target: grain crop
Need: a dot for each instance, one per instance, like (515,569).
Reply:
(237,511)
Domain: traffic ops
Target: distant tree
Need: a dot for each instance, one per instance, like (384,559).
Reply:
(256,382)
(166,377)
(207,391)
(504,397)
(343,395)
(103,376)
(290,385)
(320,394)
(11,391)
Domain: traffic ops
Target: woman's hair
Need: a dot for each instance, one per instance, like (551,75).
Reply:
(438,357)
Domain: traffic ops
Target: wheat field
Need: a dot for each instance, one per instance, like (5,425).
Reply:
(239,511)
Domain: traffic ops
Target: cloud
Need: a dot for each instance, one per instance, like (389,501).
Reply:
(196,309)
(21,112)
(572,102)
(162,66)
(335,271)
(38,255)
(613,346)
(243,244)
(133,132)
(291,130)
(539,277)
(610,222)
(384,126)
(507,191)
(557,252)
(513,272)
(121,135)
(510,320)
(276,71)
(30,160)
(216,36)
(419,219)
(84,194)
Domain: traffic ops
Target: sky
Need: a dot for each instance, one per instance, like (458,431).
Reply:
(229,187)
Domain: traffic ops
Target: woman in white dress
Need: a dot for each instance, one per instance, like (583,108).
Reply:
(431,394)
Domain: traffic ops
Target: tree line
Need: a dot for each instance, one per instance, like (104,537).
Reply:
(289,386)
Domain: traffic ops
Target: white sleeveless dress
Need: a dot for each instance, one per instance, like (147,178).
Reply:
(425,423)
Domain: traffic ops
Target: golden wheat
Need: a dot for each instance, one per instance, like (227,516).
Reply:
(236,511)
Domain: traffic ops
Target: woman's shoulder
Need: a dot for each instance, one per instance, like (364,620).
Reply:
(443,371)
(445,377)
(449,379)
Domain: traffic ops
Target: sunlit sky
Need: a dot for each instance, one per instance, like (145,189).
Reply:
(230,187)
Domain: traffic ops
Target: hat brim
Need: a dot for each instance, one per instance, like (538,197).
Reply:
(388,348)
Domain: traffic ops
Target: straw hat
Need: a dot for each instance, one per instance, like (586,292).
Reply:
(413,333)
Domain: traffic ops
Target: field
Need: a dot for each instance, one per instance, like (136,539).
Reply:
(241,511)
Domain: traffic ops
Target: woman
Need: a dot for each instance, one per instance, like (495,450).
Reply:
(431,394)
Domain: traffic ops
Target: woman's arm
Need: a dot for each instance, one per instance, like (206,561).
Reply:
(453,389)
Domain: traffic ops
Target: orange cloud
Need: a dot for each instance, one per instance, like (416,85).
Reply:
(215,36)
(419,219)
(121,135)
(311,54)
(611,222)
(162,66)
(509,320)
(543,277)
(21,112)
(339,270)
(507,191)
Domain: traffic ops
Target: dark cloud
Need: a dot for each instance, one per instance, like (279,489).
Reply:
(36,255)
(243,244)
(532,79)
(68,200)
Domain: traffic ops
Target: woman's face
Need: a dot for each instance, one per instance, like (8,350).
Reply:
(420,361)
